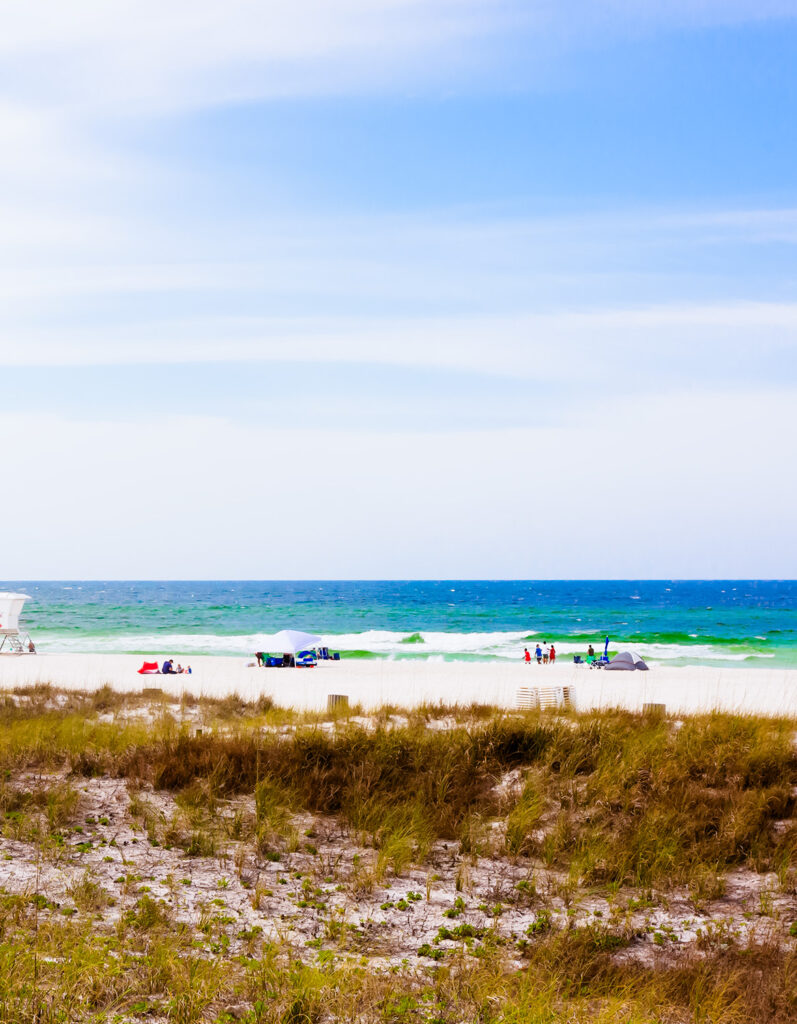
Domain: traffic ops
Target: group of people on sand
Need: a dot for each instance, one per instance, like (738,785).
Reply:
(168,669)
(544,654)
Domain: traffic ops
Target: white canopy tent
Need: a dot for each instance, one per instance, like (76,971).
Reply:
(290,641)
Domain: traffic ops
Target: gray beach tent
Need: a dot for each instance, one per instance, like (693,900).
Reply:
(626,661)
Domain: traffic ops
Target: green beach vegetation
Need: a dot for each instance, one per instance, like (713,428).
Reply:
(212,860)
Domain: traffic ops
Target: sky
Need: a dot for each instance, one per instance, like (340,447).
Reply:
(398,289)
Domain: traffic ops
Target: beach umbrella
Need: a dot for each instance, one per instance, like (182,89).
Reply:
(606,648)
(627,661)
(289,641)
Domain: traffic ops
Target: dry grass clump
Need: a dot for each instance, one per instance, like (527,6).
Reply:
(734,985)
(88,895)
(153,968)
(615,798)
(35,811)
(233,706)
(642,802)
(399,789)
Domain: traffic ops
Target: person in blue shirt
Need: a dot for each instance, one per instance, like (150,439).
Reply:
(538,654)
(167,669)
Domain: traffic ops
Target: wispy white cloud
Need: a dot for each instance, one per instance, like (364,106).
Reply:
(73,223)
(435,259)
(644,350)
(149,55)
(195,52)
(601,295)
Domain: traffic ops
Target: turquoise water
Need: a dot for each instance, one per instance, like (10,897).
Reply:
(731,622)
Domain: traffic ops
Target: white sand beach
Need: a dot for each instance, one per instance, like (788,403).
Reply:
(373,683)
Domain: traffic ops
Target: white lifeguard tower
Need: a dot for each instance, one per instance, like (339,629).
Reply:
(11,640)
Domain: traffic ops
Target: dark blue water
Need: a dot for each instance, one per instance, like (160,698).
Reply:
(677,622)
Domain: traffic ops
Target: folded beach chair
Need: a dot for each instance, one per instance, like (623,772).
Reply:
(544,698)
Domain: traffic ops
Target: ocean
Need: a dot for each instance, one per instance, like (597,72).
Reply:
(672,622)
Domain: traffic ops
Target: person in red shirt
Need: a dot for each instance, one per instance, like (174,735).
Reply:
(526,656)
(552,654)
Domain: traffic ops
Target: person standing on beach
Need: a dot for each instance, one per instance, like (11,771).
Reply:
(526,656)
(552,655)
(538,654)
(545,652)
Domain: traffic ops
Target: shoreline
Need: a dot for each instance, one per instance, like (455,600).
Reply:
(406,684)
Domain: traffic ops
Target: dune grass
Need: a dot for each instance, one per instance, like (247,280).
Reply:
(611,801)
(616,798)
(153,968)
(624,801)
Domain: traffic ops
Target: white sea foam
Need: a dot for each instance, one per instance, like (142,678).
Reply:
(389,644)
(198,643)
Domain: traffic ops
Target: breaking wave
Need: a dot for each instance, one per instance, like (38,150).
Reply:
(422,644)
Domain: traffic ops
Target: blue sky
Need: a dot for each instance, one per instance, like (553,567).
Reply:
(399,288)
